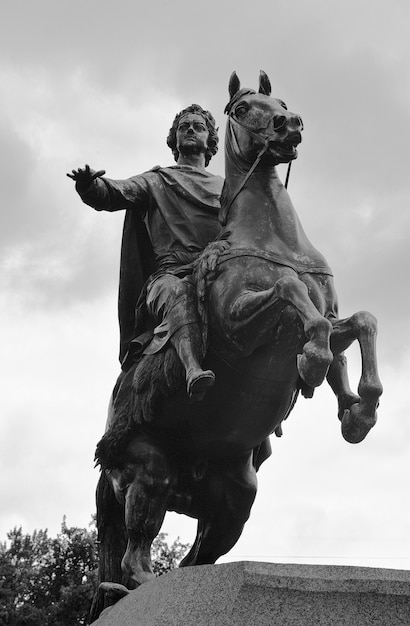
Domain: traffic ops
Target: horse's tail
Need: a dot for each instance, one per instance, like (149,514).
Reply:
(112,543)
(120,424)
(205,265)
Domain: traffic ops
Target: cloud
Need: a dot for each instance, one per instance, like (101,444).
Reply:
(17,165)
(55,400)
(54,249)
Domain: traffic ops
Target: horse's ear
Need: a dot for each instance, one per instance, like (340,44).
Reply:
(234,84)
(264,84)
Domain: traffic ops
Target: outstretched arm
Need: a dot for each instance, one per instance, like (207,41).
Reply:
(105,194)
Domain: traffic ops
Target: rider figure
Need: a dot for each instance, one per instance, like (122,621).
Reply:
(179,207)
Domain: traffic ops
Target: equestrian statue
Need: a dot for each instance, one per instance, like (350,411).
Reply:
(227,314)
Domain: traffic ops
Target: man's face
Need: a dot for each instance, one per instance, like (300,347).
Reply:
(192,134)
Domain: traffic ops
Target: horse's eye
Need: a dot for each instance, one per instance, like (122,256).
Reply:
(282,104)
(241,110)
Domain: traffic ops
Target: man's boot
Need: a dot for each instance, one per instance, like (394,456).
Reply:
(187,343)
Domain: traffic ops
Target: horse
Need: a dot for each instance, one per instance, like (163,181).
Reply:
(269,309)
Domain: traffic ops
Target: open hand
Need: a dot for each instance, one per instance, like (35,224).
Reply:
(83,177)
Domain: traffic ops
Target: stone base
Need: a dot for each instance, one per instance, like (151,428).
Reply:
(267,594)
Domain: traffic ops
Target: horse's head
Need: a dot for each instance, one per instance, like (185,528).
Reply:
(261,122)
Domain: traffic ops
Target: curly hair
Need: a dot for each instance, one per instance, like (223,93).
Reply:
(213,138)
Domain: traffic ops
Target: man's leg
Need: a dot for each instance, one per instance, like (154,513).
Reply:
(172,303)
(188,345)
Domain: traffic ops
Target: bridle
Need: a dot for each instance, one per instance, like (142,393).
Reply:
(262,139)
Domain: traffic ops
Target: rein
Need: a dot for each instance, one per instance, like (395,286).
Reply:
(255,164)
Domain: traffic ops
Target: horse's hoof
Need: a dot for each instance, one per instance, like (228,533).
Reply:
(355,425)
(345,402)
(136,562)
(313,366)
(198,381)
(114,591)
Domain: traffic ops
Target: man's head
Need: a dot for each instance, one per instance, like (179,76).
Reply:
(193,129)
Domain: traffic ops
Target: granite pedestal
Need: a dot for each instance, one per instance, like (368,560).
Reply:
(266,594)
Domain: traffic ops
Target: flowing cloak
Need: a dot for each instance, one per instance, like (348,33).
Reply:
(171,215)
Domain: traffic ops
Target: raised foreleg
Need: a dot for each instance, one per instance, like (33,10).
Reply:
(357,413)
(255,314)
(338,379)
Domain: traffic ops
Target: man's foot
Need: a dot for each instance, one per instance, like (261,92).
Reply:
(198,381)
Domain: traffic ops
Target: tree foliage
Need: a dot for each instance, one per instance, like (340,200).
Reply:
(165,557)
(48,581)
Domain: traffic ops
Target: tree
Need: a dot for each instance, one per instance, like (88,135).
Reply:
(165,557)
(48,581)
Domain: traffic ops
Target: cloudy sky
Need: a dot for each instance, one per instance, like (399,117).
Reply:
(100,82)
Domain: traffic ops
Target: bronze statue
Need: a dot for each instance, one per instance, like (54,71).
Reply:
(270,330)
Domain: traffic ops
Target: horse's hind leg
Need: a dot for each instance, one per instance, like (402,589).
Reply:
(357,413)
(231,490)
(143,484)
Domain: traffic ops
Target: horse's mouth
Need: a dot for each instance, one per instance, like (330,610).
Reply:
(286,151)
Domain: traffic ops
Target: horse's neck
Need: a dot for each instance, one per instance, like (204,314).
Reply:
(262,213)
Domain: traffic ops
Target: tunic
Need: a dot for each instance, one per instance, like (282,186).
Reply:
(172,214)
